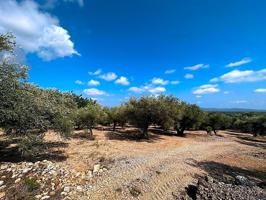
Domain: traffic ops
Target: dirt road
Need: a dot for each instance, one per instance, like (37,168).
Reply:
(163,167)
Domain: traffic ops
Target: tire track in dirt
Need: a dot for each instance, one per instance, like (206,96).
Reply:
(141,172)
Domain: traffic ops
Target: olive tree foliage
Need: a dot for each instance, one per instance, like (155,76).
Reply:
(25,109)
(7,42)
(168,111)
(116,115)
(165,111)
(258,125)
(254,123)
(217,121)
(88,117)
(142,112)
(191,117)
(81,101)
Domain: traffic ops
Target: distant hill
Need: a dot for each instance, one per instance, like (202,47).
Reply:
(232,110)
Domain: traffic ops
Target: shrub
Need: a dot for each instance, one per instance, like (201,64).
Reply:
(31,184)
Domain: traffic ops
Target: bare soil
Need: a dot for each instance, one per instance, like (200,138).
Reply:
(163,166)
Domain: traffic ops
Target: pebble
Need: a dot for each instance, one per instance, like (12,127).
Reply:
(38,196)
(90,174)
(79,189)
(3,167)
(2,187)
(63,193)
(45,197)
(25,171)
(67,189)
(52,193)
(96,168)
(1,183)
(2,194)
(17,180)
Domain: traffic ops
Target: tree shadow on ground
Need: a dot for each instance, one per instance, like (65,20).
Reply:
(131,135)
(82,135)
(226,173)
(253,144)
(52,151)
(158,131)
(110,128)
(248,139)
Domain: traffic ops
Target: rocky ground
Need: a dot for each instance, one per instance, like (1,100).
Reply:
(209,188)
(114,167)
(45,180)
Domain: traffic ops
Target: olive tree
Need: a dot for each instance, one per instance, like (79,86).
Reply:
(217,121)
(27,111)
(116,115)
(89,116)
(191,116)
(256,125)
(167,111)
(142,113)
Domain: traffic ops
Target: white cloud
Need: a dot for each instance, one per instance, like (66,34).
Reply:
(198,96)
(97,72)
(196,67)
(93,83)
(110,76)
(94,92)
(122,80)
(136,89)
(159,81)
(147,88)
(239,101)
(79,82)
(189,76)
(157,90)
(260,90)
(170,71)
(240,62)
(205,89)
(237,76)
(36,31)
(175,82)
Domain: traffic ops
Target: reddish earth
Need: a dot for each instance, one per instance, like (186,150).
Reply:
(165,164)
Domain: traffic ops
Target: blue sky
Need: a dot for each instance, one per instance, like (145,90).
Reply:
(208,52)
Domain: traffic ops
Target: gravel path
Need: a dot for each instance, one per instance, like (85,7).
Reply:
(156,175)
(127,169)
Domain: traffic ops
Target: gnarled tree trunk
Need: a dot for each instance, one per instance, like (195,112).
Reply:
(114,126)
(145,134)
(180,132)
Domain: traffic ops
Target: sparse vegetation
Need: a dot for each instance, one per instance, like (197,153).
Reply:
(31,184)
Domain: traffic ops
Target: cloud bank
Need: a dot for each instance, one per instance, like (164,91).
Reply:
(238,76)
(36,31)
